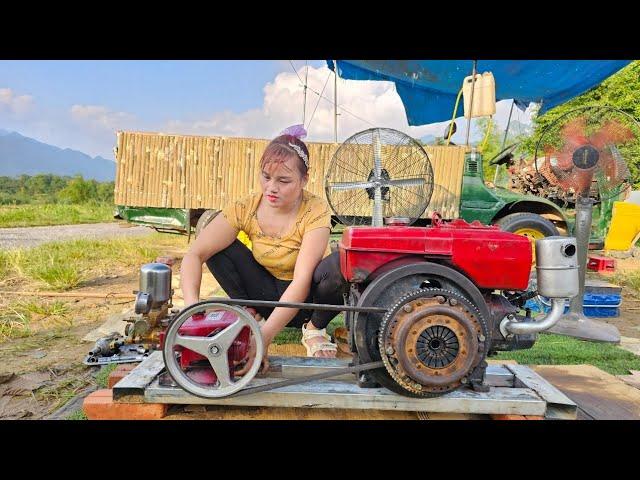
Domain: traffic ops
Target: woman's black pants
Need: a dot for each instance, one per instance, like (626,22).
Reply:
(242,277)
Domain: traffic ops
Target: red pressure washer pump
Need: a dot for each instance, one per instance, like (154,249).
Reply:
(206,325)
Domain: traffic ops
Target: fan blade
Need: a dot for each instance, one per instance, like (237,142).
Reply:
(405,182)
(610,133)
(574,134)
(377,155)
(578,180)
(351,185)
(376,218)
(613,168)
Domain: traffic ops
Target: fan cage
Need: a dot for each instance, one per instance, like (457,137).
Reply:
(379,168)
(586,151)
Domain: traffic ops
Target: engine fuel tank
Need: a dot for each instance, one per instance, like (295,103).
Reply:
(490,257)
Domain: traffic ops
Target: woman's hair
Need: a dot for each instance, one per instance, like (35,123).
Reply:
(283,147)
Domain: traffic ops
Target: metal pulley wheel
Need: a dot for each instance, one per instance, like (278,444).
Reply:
(431,341)
(215,348)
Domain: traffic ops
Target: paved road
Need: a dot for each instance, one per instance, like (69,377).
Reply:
(24,237)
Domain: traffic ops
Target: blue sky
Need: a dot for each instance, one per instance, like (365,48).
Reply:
(156,88)
(80,104)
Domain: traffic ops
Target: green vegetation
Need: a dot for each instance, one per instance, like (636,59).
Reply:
(37,341)
(60,393)
(27,201)
(53,189)
(621,91)
(558,350)
(65,265)
(54,214)
(77,415)
(102,378)
(630,279)
(491,144)
(17,317)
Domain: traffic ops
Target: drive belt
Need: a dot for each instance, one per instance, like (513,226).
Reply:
(309,378)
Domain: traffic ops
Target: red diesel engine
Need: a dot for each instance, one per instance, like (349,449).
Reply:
(446,289)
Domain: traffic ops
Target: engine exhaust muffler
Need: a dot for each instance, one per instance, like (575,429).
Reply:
(557,278)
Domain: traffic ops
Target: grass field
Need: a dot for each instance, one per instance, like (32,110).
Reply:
(553,349)
(65,265)
(62,266)
(629,279)
(54,214)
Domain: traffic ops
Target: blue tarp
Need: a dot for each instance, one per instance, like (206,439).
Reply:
(428,88)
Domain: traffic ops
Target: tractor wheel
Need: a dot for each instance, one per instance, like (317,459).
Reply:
(530,225)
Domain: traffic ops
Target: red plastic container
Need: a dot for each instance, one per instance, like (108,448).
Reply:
(601,264)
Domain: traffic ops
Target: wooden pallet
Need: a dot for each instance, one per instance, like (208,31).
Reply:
(515,391)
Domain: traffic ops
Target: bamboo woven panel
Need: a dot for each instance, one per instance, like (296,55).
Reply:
(186,171)
(448,167)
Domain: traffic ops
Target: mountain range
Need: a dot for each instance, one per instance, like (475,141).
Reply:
(23,155)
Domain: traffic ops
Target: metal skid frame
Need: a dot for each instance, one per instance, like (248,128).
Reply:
(514,389)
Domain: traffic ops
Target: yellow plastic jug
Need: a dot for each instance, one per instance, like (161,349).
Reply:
(484,95)
(624,230)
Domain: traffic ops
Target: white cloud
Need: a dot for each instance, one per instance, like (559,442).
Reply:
(16,104)
(363,104)
(100,117)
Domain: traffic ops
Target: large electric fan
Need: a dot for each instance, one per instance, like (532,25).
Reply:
(379,174)
(584,153)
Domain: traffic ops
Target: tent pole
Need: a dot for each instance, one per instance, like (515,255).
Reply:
(304,102)
(506,130)
(473,84)
(335,101)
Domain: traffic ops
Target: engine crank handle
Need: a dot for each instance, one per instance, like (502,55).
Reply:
(317,376)
(304,306)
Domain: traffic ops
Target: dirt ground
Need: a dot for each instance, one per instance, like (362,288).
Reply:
(628,323)
(42,372)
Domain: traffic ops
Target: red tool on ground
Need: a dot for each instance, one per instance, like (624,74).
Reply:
(601,264)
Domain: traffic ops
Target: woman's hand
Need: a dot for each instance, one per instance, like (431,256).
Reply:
(251,357)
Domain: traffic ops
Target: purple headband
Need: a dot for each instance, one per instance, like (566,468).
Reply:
(299,132)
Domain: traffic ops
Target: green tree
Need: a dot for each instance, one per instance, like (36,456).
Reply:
(104,192)
(491,144)
(78,190)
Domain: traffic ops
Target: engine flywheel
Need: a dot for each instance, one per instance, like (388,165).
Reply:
(431,341)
